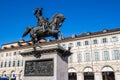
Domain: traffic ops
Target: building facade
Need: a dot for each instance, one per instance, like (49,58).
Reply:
(96,56)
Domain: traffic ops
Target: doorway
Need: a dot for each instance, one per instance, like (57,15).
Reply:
(72,76)
(88,76)
(108,75)
(88,73)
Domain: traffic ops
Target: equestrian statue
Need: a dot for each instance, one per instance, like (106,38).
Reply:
(45,27)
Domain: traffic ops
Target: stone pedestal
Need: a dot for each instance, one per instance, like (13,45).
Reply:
(51,64)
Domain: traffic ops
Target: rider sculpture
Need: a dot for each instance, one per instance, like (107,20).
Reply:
(45,28)
(40,19)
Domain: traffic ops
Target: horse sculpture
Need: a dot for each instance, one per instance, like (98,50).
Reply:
(45,28)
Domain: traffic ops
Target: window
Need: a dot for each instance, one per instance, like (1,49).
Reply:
(64,46)
(14,53)
(13,63)
(18,63)
(78,44)
(1,64)
(96,56)
(9,64)
(95,41)
(87,57)
(106,55)
(79,56)
(104,40)
(70,45)
(70,59)
(5,64)
(114,39)
(86,43)
(6,54)
(116,54)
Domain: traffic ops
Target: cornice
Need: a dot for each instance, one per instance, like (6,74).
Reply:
(60,50)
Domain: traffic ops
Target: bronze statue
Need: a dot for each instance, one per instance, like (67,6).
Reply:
(45,28)
(40,19)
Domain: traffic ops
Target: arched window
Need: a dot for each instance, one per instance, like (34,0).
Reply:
(71,70)
(72,74)
(88,74)
(108,73)
(4,74)
(107,68)
(88,69)
(13,75)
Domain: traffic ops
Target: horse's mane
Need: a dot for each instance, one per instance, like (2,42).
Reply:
(54,16)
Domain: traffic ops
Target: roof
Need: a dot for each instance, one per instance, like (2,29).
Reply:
(105,32)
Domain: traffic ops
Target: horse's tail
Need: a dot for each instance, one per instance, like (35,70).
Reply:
(28,29)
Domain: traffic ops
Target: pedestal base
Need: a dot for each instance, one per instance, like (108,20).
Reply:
(51,65)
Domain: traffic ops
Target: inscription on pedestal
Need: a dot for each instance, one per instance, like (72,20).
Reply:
(39,67)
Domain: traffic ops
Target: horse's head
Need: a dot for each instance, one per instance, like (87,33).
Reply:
(60,19)
(57,19)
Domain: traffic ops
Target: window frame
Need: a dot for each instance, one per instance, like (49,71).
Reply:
(116,55)
(96,56)
(114,38)
(87,57)
(106,55)
(86,42)
(79,57)
(95,41)
(70,45)
(104,40)
(78,43)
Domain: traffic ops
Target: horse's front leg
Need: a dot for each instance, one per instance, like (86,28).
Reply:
(61,35)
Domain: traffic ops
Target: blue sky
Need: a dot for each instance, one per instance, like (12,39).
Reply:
(81,16)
